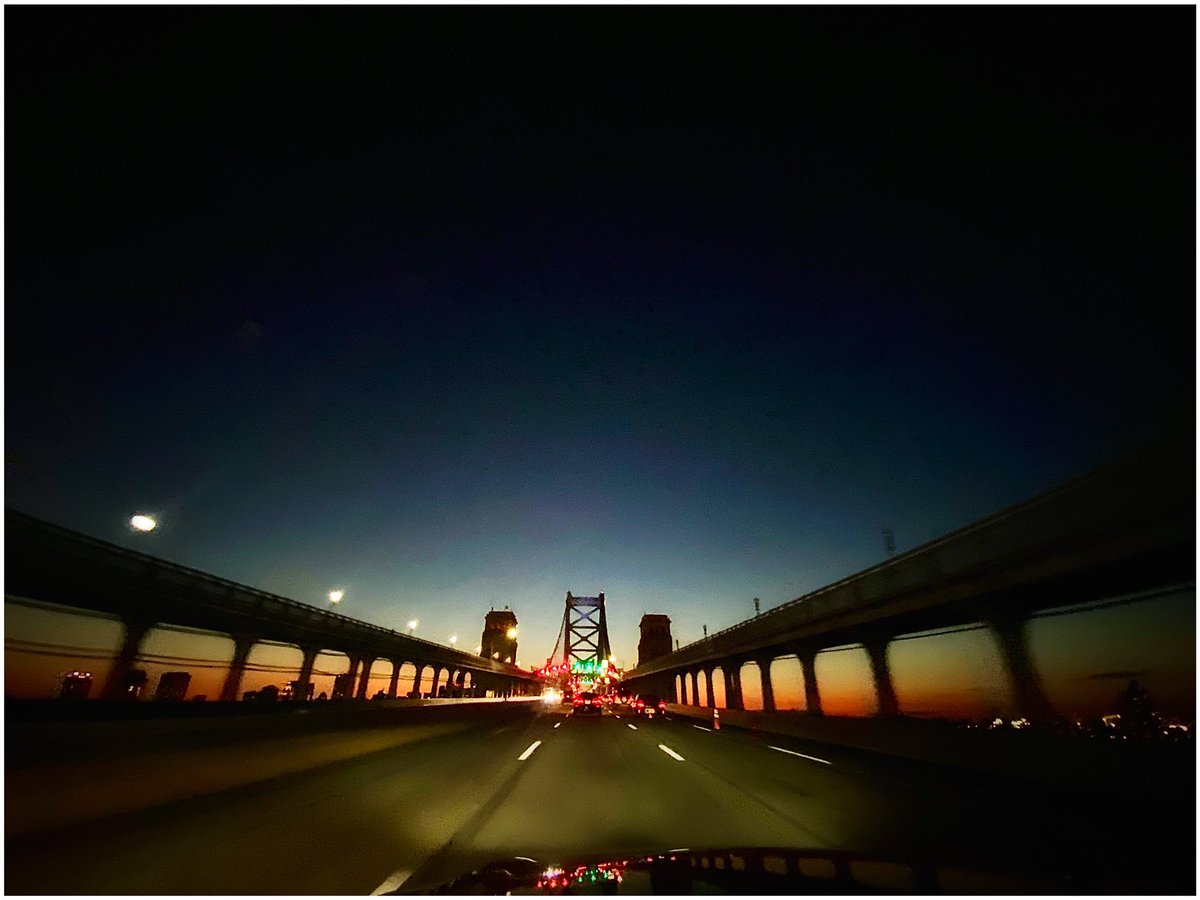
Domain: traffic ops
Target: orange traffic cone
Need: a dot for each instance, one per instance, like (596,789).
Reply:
(716,719)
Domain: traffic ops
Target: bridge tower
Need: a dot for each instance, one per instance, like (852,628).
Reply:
(499,639)
(584,632)
(656,637)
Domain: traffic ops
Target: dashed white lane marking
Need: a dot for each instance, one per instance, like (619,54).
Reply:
(702,728)
(671,753)
(628,725)
(616,717)
(557,724)
(529,751)
(805,755)
(393,882)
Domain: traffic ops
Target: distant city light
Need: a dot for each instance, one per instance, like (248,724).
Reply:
(336,595)
(143,523)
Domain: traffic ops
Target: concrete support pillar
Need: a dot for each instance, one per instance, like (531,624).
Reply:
(812,694)
(395,680)
(1011,635)
(433,685)
(242,645)
(695,687)
(131,645)
(417,678)
(364,678)
(733,684)
(682,689)
(885,692)
(768,692)
(711,699)
(306,667)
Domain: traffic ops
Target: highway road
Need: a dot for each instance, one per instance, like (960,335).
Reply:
(553,787)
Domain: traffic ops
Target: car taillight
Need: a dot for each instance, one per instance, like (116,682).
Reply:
(579,703)
(641,704)
(662,704)
(596,702)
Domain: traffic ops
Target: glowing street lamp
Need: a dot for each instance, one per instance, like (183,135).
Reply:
(336,595)
(412,625)
(453,639)
(512,633)
(142,523)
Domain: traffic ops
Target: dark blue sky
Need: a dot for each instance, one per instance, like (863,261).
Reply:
(682,305)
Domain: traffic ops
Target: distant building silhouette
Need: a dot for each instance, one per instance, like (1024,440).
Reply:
(343,686)
(73,686)
(1136,710)
(172,686)
(292,688)
(132,684)
(656,637)
(496,643)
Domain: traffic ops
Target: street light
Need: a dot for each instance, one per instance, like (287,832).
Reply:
(512,633)
(142,523)
(453,639)
(412,624)
(336,595)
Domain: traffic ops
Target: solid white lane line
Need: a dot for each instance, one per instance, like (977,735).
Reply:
(702,728)
(671,753)
(634,727)
(393,882)
(805,755)
(529,751)
(557,724)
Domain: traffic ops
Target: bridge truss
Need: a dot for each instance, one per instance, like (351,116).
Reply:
(584,632)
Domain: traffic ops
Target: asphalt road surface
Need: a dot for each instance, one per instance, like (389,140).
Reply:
(552,786)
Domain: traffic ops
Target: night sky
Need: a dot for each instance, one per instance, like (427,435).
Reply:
(458,307)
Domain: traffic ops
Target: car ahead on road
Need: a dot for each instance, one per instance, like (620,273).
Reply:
(587,704)
(649,706)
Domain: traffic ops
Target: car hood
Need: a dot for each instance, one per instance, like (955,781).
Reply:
(733,870)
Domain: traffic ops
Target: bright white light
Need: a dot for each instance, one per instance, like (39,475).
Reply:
(512,633)
(551,697)
(453,638)
(413,623)
(479,649)
(496,655)
(143,523)
(336,595)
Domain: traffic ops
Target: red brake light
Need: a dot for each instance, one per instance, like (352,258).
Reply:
(662,704)
(578,702)
(596,701)
(641,703)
